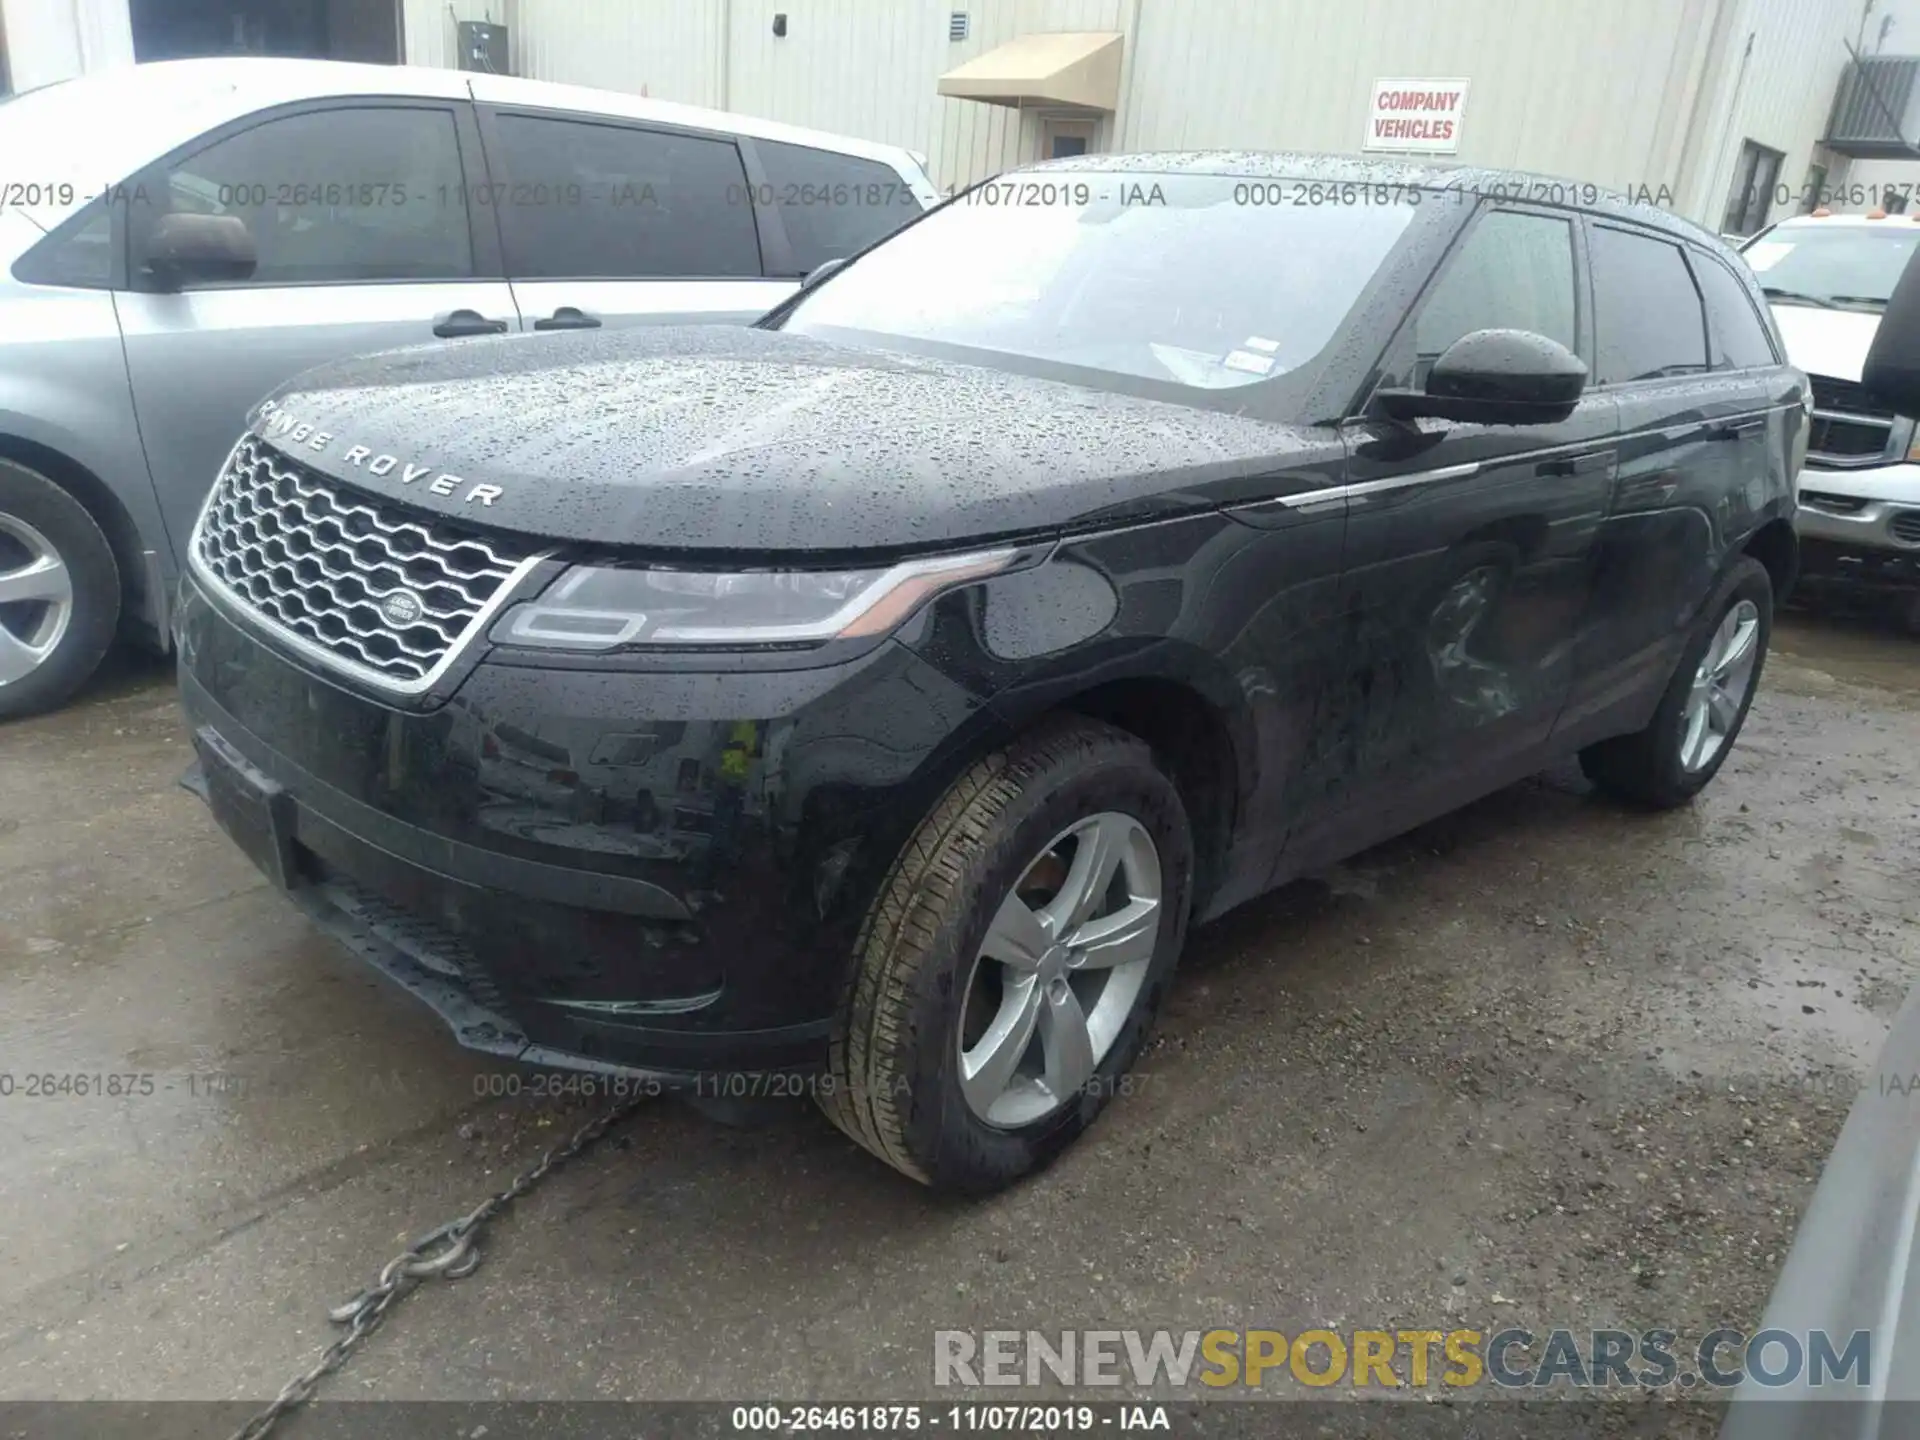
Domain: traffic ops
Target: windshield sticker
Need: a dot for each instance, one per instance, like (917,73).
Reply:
(1262,344)
(1246,360)
(1766,254)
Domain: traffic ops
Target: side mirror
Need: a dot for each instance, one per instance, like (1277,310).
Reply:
(1892,370)
(822,271)
(185,249)
(1496,377)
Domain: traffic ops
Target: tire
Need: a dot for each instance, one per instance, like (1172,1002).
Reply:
(1648,768)
(920,982)
(38,518)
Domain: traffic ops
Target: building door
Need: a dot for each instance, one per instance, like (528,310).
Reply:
(1062,138)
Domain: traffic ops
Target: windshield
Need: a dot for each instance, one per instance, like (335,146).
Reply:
(1846,265)
(1198,281)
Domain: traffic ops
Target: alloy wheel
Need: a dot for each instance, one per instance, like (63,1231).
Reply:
(36,599)
(1060,969)
(1720,687)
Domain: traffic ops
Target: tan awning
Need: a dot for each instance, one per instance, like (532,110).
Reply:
(1073,69)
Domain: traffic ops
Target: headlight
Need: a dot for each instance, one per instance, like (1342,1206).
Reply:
(594,607)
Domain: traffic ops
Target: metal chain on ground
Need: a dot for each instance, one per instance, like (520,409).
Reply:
(453,1256)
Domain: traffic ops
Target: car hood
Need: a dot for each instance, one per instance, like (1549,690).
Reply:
(736,439)
(1827,342)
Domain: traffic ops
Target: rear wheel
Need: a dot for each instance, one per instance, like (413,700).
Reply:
(59,592)
(1008,972)
(1693,730)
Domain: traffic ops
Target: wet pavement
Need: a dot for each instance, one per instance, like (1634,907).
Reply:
(1546,1062)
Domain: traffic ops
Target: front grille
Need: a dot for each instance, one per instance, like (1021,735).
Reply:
(325,563)
(1831,435)
(1831,503)
(1847,395)
(1906,526)
(1849,427)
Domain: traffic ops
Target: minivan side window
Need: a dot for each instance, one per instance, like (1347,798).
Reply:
(78,254)
(338,195)
(1739,338)
(590,201)
(1514,271)
(1648,321)
(833,205)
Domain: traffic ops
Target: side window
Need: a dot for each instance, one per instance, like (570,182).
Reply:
(833,205)
(78,254)
(1647,318)
(585,200)
(1514,271)
(337,195)
(1739,339)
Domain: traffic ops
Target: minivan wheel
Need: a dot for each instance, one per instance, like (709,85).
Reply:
(1706,703)
(1006,976)
(59,592)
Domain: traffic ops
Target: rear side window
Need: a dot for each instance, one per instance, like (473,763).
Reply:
(338,195)
(584,200)
(1739,339)
(78,254)
(833,205)
(1647,316)
(1514,271)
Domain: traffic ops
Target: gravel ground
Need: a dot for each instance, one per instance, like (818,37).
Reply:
(1544,1063)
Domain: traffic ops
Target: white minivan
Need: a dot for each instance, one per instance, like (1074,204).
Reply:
(177,239)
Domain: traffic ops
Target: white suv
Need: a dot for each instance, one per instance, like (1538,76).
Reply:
(1828,278)
(178,239)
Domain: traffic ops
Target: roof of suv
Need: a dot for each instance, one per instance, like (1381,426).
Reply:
(1345,169)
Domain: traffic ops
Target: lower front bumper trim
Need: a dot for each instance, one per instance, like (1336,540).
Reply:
(474,1025)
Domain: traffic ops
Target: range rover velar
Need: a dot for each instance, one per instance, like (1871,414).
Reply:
(877,694)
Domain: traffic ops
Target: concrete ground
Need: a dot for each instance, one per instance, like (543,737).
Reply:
(1545,1062)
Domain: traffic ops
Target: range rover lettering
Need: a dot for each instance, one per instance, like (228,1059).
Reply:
(880,692)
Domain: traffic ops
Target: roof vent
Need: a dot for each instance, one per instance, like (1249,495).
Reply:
(957,26)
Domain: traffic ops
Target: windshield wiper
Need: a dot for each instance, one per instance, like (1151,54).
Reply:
(1774,292)
(1879,301)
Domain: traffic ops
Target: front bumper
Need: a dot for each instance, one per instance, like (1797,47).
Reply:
(1860,528)
(645,871)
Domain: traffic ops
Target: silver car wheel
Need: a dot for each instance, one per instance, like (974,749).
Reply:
(1720,687)
(1060,969)
(36,599)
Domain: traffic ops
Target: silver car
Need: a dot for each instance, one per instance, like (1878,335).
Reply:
(177,239)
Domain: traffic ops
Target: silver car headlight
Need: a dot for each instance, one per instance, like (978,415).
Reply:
(605,607)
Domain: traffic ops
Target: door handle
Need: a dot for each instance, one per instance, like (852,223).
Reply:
(1736,430)
(466,322)
(568,317)
(1575,464)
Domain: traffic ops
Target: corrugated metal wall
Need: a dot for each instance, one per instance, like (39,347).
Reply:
(1775,86)
(1628,93)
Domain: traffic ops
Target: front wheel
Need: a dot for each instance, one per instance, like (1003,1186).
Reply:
(1007,974)
(1693,730)
(59,592)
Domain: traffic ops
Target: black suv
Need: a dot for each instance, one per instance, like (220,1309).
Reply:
(870,698)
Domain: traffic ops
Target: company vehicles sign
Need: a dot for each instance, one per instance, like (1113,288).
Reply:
(1416,115)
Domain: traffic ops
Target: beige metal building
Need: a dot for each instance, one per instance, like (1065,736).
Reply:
(1716,107)
(1728,111)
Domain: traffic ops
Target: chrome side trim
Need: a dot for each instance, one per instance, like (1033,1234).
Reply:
(1402,482)
(1330,493)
